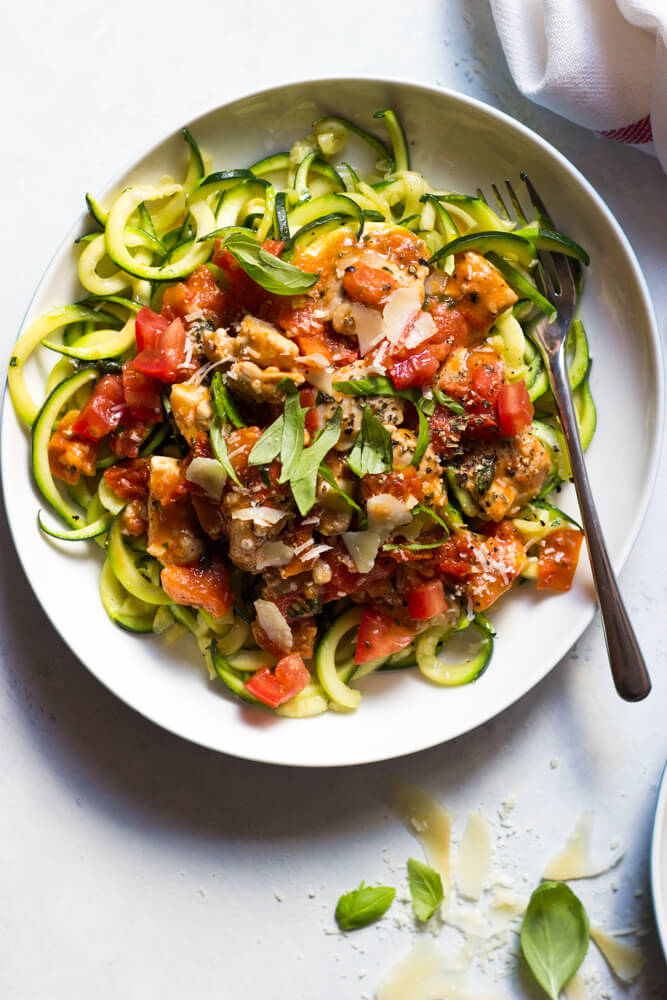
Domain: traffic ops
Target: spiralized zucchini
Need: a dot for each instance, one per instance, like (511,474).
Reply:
(151,235)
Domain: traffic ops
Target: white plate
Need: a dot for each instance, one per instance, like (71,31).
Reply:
(659,863)
(457,142)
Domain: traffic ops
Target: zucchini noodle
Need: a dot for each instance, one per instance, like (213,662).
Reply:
(139,248)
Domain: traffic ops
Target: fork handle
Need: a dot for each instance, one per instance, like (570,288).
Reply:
(627,663)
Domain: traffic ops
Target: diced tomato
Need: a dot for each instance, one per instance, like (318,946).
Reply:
(166,360)
(456,556)
(557,562)
(129,480)
(426,601)
(307,399)
(104,410)
(419,369)
(127,440)
(201,291)
(274,687)
(202,585)
(274,247)
(380,635)
(445,430)
(402,483)
(239,445)
(148,328)
(142,394)
(371,286)
(69,454)
(515,409)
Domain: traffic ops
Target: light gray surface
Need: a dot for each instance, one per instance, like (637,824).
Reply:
(136,865)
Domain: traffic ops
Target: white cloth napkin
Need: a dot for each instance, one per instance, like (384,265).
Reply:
(600,63)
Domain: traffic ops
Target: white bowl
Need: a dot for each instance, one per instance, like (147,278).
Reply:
(463,144)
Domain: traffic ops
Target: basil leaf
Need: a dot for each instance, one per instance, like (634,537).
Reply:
(363,906)
(444,400)
(291,442)
(223,404)
(304,479)
(423,438)
(421,508)
(485,475)
(375,385)
(267,447)
(272,273)
(554,935)
(219,446)
(425,888)
(415,546)
(427,405)
(328,476)
(372,452)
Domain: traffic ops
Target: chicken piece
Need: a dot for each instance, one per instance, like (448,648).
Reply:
(69,454)
(134,519)
(174,535)
(475,293)
(503,475)
(404,443)
(389,410)
(259,384)
(192,410)
(256,341)
(217,344)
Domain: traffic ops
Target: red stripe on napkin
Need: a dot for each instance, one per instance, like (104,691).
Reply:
(636,134)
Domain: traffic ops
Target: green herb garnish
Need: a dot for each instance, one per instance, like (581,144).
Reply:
(328,476)
(292,439)
(267,447)
(444,400)
(425,888)
(223,404)
(304,478)
(372,452)
(272,273)
(363,906)
(554,935)
(219,446)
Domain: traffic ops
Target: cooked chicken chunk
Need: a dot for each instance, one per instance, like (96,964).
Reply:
(503,475)
(256,341)
(476,291)
(192,409)
(259,384)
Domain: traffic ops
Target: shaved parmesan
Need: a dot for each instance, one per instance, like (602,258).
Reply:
(273,622)
(625,961)
(427,821)
(363,547)
(322,379)
(422,329)
(312,360)
(575,860)
(473,862)
(386,513)
(425,974)
(399,310)
(274,554)
(575,988)
(262,515)
(368,326)
(208,474)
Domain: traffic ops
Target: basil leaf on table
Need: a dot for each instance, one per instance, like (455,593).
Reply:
(363,906)
(372,452)
(425,888)
(554,935)
(267,447)
(223,404)
(219,446)
(272,273)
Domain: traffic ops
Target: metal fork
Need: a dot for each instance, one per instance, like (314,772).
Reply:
(558,285)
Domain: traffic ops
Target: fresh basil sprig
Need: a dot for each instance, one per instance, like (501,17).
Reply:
(372,452)
(219,446)
(425,888)
(381,385)
(554,935)
(328,476)
(272,273)
(363,906)
(414,546)
(451,404)
(304,477)
(421,508)
(292,439)
(223,404)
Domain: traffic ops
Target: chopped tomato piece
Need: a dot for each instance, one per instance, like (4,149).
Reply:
(419,369)
(274,247)
(274,687)
(371,286)
(426,601)
(559,555)
(148,328)
(200,292)
(167,359)
(457,555)
(202,585)
(142,394)
(307,399)
(380,635)
(515,409)
(129,480)
(69,454)
(127,440)
(104,410)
